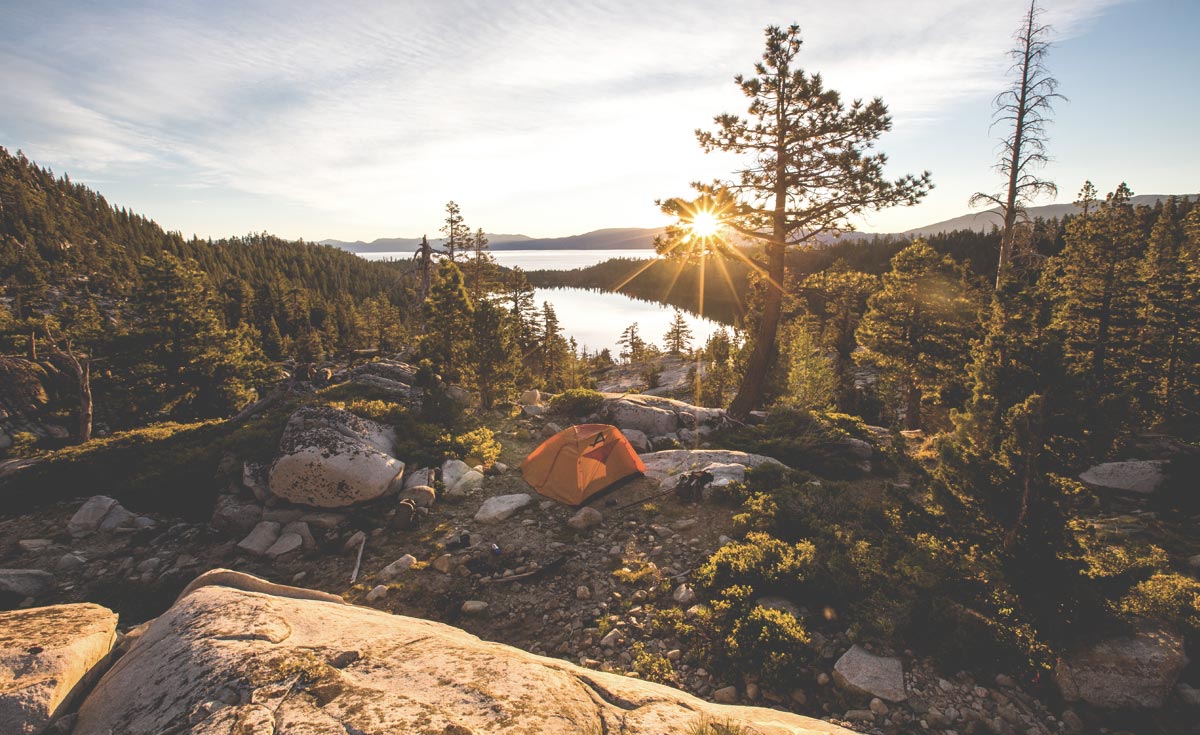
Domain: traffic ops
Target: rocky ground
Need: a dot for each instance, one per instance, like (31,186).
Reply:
(485,553)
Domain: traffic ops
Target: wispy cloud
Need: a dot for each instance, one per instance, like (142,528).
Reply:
(534,114)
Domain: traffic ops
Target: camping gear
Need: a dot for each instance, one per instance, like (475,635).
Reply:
(580,461)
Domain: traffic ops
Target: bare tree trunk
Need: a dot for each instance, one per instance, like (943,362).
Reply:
(1014,169)
(750,392)
(32,346)
(912,406)
(85,401)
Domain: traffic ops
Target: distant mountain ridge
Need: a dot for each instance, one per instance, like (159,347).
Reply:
(614,238)
(642,238)
(984,220)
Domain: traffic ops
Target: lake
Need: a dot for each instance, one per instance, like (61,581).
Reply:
(532,260)
(594,318)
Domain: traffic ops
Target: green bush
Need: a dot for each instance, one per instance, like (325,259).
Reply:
(1167,597)
(772,642)
(424,444)
(652,666)
(576,402)
(761,562)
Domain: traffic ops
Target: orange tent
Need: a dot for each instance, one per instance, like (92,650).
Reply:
(578,462)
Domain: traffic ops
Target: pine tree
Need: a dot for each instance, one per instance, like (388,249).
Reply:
(810,168)
(478,268)
(1025,106)
(1095,285)
(634,347)
(918,327)
(519,297)
(811,379)
(494,357)
(448,309)
(553,351)
(1169,349)
(720,374)
(678,338)
(457,234)
(190,365)
(837,298)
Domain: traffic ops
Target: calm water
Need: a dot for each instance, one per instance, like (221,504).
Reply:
(531,260)
(595,319)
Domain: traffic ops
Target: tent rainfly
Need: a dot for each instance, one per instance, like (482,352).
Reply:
(580,461)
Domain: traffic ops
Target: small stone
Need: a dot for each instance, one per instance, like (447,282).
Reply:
(610,638)
(585,518)
(823,679)
(878,707)
(752,692)
(859,715)
(684,594)
(69,562)
(377,593)
(674,654)
(288,543)
(1003,680)
(33,544)
(799,696)
(422,496)
(474,607)
(725,695)
(396,568)
(501,507)
(583,592)
(354,541)
(1072,724)
(443,563)
(300,528)
(262,538)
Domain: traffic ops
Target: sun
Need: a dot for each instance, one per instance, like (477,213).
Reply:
(704,224)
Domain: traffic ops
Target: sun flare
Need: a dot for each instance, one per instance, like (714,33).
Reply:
(705,224)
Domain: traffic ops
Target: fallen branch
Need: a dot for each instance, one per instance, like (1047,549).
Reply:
(362,545)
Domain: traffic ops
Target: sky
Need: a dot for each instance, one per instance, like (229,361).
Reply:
(361,120)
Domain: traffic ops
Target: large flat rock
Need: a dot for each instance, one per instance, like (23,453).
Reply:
(45,653)
(1133,476)
(1134,671)
(725,465)
(331,458)
(303,666)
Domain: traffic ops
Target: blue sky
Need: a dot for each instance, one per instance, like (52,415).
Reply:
(360,120)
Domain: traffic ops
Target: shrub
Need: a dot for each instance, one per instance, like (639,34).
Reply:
(1167,597)
(652,666)
(772,642)
(705,726)
(576,402)
(384,412)
(761,562)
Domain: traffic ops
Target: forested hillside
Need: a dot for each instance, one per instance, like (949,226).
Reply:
(176,327)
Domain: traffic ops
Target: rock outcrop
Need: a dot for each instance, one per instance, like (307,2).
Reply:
(1135,671)
(502,507)
(331,458)
(1134,476)
(861,672)
(99,513)
(724,465)
(226,660)
(660,417)
(46,654)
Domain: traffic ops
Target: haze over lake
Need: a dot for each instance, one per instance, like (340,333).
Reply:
(594,318)
(532,260)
